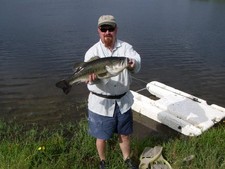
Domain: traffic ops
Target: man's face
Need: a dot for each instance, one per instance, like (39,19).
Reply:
(107,35)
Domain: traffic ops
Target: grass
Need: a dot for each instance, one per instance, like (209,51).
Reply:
(69,146)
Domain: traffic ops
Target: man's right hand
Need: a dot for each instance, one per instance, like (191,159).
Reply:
(92,77)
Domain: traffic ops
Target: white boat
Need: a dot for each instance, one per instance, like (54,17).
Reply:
(178,110)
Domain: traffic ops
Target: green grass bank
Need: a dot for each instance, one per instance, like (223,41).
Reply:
(68,146)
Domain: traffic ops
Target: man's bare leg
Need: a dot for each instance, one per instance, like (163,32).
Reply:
(101,144)
(124,142)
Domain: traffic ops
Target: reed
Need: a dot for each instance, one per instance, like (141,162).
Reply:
(69,146)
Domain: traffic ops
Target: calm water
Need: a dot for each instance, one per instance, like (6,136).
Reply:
(182,44)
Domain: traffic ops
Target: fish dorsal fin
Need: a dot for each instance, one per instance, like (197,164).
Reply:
(77,67)
(93,58)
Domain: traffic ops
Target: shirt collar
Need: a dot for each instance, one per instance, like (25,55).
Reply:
(117,44)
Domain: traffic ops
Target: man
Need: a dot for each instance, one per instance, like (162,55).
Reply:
(109,102)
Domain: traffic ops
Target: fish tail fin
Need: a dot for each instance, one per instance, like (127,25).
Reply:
(64,85)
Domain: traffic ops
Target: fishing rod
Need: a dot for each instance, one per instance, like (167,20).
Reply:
(170,89)
(140,81)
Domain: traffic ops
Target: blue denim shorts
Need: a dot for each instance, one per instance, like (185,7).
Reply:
(103,127)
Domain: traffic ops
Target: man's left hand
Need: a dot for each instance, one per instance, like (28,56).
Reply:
(131,64)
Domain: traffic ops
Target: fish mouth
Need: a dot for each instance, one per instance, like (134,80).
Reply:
(123,62)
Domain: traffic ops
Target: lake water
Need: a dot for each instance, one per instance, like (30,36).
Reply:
(181,42)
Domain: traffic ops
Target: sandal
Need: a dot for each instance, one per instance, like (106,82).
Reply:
(153,157)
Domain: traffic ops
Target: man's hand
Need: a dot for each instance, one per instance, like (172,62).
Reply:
(92,77)
(131,64)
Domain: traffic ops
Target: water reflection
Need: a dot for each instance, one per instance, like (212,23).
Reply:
(181,44)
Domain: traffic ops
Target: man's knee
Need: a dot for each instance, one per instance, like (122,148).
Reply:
(124,138)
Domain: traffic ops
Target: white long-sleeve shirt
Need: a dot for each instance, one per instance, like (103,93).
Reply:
(116,85)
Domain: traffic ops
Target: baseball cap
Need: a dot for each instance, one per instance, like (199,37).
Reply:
(107,20)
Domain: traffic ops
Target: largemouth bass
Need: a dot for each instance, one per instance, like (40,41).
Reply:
(102,67)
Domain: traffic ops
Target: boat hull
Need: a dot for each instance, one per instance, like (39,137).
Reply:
(178,110)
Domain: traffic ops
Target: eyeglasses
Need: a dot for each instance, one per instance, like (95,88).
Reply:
(105,28)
